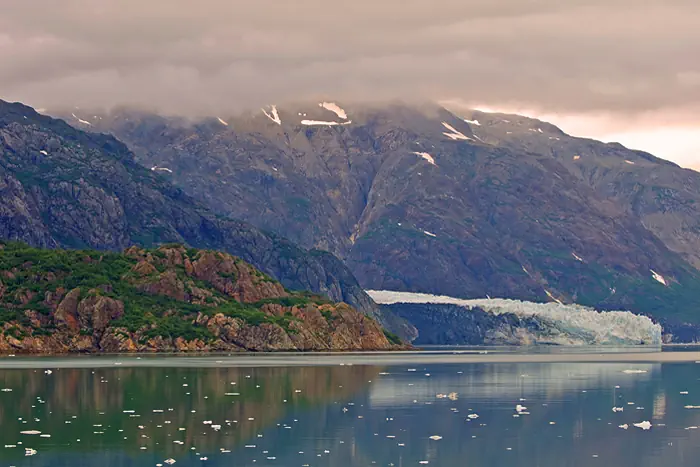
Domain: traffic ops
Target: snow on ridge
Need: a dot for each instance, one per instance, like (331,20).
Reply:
(274,116)
(427,157)
(333,107)
(161,169)
(472,122)
(80,120)
(318,122)
(455,135)
(576,324)
(222,121)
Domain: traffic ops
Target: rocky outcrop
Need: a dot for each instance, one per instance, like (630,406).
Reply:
(172,299)
(62,187)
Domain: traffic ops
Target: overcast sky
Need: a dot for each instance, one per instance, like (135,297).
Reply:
(611,68)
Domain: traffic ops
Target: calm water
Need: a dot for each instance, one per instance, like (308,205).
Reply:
(352,411)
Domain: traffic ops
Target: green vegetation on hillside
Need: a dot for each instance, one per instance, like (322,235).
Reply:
(29,276)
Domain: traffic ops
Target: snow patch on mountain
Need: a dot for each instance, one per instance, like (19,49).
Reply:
(562,324)
(426,156)
(322,123)
(455,135)
(222,121)
(273,115)
(658,277)
(80,120)
(333,107)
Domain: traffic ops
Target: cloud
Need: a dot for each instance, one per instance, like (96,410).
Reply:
(619,57)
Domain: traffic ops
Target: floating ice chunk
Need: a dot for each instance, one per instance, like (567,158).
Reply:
(436,437)
(322,123)
(430,234)
(624,427)
(618,409)
(645,425)
(455,135)
(170,461)
(426,156)
(335,109)
(473,122)
(222,121)
(273,115)
(472,416)
(658,277)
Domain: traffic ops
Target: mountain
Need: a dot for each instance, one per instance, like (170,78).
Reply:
(168,299)
(422,199)
(63,187)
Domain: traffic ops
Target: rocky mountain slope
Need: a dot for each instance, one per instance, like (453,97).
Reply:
(168,299)
(60,186)
(418,198)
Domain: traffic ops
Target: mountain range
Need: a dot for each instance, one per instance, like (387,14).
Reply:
(423,199)
(341,198)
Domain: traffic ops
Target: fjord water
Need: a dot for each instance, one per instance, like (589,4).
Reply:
(362,410)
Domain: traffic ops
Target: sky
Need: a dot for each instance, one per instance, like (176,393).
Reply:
(624,70)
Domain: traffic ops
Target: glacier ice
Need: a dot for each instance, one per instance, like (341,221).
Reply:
(564,324)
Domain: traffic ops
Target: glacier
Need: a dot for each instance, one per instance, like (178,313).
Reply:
(562,324)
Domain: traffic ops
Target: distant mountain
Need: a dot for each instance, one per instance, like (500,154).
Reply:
(63,187)
(427,200)
(167,299)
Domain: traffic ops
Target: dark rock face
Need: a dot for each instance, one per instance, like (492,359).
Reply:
(60,186)
(439,324)
(420,199)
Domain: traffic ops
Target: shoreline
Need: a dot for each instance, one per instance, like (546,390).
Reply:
(380,358)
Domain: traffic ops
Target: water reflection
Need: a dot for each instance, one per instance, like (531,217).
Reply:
(523,414)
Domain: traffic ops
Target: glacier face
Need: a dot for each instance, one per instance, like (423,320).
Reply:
(561,324)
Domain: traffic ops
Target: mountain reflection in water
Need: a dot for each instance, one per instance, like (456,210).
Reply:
(446,414)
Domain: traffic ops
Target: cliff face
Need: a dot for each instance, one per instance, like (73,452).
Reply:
(62,187)
(422,200)
(168,299)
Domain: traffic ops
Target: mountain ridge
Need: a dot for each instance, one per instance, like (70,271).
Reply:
(63,187)
(426,200)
